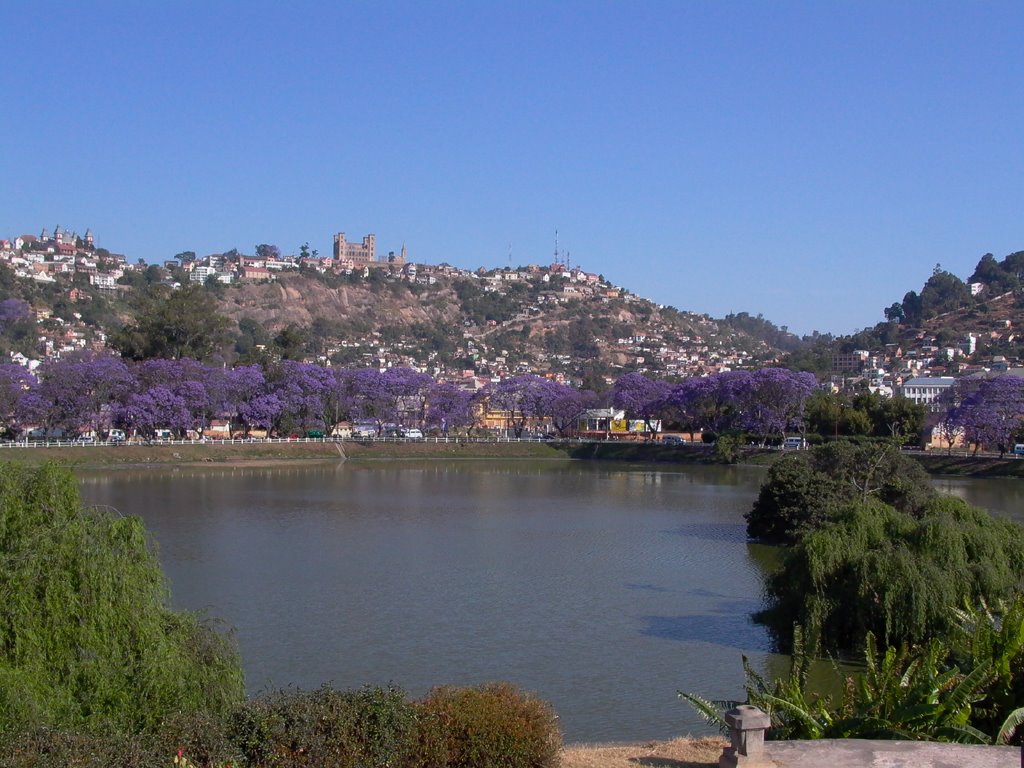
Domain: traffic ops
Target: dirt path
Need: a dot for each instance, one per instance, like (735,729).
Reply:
(678,753)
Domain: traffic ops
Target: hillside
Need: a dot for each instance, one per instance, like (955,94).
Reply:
(951,324)
(463,323)
(58,293)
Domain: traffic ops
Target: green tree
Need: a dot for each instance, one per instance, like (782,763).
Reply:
(87,639)
(807,489)
(292,342)
(173,324)
(892,417)
(874,569)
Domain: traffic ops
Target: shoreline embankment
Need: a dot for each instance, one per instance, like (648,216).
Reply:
(255,453)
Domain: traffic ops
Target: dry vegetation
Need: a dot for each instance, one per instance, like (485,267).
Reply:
(679,753)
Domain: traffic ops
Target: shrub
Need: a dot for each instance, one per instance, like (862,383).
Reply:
(492,726)
(728,449)
(341,729)
(70,749)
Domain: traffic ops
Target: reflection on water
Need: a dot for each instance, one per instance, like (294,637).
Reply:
(605,588)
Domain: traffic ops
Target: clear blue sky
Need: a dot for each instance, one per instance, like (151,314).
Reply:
(811,161)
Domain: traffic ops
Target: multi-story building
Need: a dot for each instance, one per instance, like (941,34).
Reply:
(925,390)
(357,253)
(850,362)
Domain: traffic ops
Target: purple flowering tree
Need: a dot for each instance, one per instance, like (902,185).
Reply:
(567,404)
(301,388)
(155,408)
(78,391)
(992,415)
(242,385)
(448,407)
(13,311)
(771,401)
(200,387)
(950,424)
(339,397)
(396,395)
(409,390)
(263,412)
(640,397)
(522,398)
(370,398)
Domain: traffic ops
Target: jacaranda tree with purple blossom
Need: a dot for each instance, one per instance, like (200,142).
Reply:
(200,388)
(522,398)
(242,385)
(991,416)
(77,392)
(567,404)
(706,404)
(771,401)
(155,408)
(640,397)
(449,407)
(301,388)
(408,390)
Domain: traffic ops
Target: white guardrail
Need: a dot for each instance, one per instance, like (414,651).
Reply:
(50,443)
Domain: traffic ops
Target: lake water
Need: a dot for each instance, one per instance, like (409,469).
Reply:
(603,588)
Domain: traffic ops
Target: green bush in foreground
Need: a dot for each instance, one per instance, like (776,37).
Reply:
(342,729)
(493,726)
(87,640)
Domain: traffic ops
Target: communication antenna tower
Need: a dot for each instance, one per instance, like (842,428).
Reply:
(556,246)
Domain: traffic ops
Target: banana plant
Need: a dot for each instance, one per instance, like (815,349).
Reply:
(901,693)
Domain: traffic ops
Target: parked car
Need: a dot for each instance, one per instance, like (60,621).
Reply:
(412,434)
(116,436)
(672,440)
(794,442)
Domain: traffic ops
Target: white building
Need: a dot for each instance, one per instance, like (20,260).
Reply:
(925,390)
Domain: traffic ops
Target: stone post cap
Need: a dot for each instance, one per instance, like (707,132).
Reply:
(747,717)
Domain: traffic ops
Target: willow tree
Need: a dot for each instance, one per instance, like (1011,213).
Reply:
(87,639)
(874,569)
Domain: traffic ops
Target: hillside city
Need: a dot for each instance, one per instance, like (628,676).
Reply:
(645,337)
(473,328)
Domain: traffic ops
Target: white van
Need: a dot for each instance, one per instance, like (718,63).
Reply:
(792,443)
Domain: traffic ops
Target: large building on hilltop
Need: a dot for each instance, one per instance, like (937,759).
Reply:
(357,253)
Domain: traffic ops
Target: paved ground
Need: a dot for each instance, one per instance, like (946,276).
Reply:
(863,753)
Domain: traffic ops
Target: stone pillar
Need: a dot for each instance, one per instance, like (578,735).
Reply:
(747,725)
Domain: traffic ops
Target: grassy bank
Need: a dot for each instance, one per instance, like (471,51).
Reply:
(237,453)
(970,466)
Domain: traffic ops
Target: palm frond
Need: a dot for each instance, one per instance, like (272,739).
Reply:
(713,712)
(1009,726)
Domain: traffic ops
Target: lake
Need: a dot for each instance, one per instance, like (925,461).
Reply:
(604,588)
